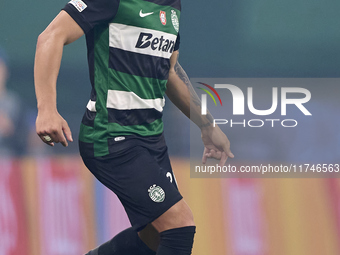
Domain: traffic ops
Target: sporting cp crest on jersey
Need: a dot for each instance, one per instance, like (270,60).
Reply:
(162,17)
(174,20)
(156,193)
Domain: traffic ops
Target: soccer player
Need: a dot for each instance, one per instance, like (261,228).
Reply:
(132,55)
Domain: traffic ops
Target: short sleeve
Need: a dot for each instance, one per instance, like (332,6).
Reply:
(177,43)
(89,13)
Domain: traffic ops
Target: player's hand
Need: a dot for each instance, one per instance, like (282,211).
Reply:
(216,145)
(52,128)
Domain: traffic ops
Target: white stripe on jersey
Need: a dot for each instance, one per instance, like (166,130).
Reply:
(91,106)
(125,37)
(124,100)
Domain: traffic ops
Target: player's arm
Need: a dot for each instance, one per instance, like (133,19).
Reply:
(61,31)
(181,93)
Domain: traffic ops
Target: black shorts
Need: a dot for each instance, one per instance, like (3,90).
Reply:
(140,174)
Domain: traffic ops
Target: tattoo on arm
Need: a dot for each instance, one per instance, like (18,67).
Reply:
(193,96)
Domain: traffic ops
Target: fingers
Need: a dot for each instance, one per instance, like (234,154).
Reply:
(225,155)
(67,132)
(230,154)
(217,146)
(226,149)
(53,137)
(223,159)
(60,138)
(46,139)
(216,154)
(205,155)
(210,153)
(57,136)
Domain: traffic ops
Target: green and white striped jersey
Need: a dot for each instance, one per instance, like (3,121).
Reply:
(129,43)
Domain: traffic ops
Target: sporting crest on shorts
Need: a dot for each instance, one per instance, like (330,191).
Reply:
(156,193)
(162,17)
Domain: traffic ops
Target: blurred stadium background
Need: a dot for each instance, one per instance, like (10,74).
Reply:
(51,205)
